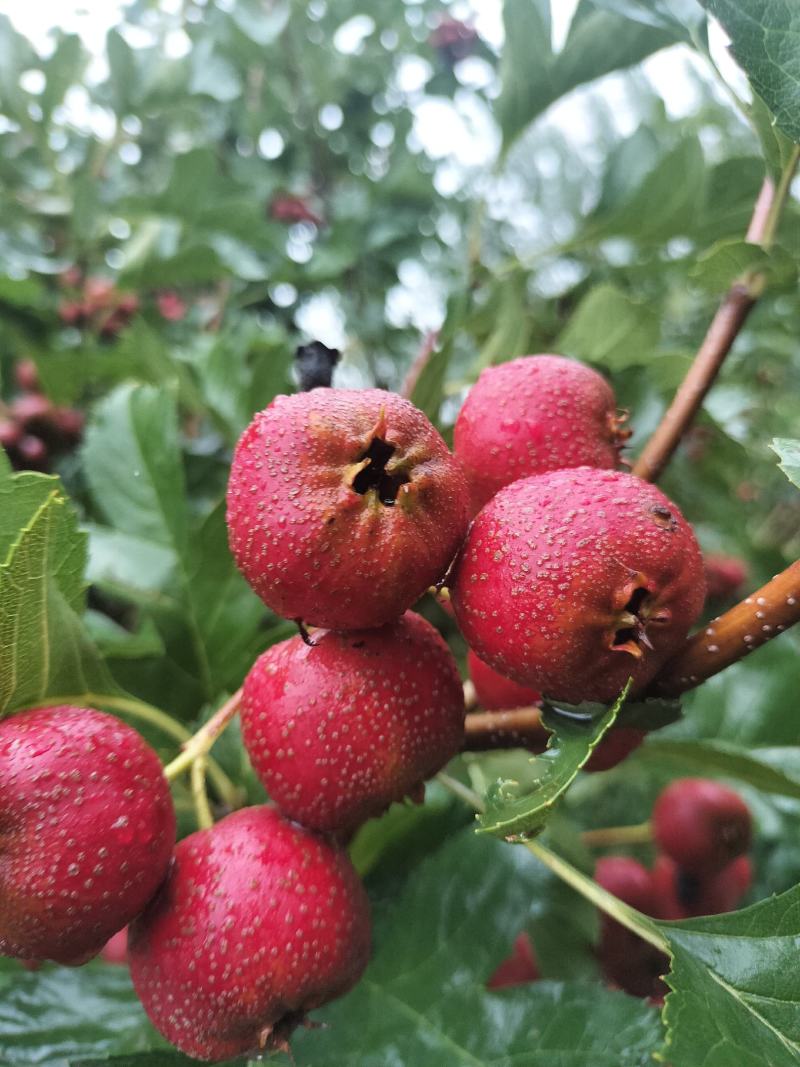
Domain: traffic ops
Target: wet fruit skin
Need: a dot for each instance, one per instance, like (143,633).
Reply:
(258,922)
(575,580)
(86,831)
(684,895)
(535,414)
(344,506)
(339,730)
(494,691)
(701,824)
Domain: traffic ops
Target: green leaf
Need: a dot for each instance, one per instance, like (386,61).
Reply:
(765,40)
(517,807)
(720,757)
(422,1000)
(428,389)
(46,650)
(788,452)
(533,77)
(611,329)
(717,268)
(735,996)
(133,465)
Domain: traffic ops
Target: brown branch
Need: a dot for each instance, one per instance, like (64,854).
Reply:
(760,617)
(420,362)
(519,728)
(724,328)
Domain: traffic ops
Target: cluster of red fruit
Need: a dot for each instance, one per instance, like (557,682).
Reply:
(31,428)
(703,831)
(344,507)
(96,304)
(291,208)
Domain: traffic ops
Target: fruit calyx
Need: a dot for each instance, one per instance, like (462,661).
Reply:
(618,431)
(640,610)
(374,471)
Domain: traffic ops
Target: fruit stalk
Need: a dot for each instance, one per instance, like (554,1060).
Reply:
(502,729)
(200,743)
(757,619)
(725,326)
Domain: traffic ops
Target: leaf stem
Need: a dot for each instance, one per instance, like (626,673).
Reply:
(625,915)
(611,836)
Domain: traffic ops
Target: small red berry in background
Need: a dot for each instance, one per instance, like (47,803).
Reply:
(519,968)
(494,691)
(725,576)
(286,207)
(115,949)
(453,39)
(615,747)
(171,306)
(701,824)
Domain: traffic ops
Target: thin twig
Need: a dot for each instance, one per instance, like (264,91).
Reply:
(503,729)
(759,618)
(728,321)
(613,836)
(419,363)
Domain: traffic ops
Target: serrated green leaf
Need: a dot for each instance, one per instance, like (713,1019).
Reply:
(717,268)
(520,807)
(788,451)
(46,650)
(765,40)
(428,389)
(735,996)
(724,758)
(610,329)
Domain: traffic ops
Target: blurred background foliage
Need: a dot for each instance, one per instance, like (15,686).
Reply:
(229,179)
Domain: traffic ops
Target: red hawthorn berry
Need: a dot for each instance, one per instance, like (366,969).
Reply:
(32,409)
(171,307)
(576,580)
(701,824)
(127,305)
(31,453)
(87,831)
(258,922)
(26,375)
(285,207)
(115,949)
(99,294)
(69,423)
(495,692)
(344,506)
(71,277)
(665,880)
(340,729)
(626,960)
(615,747)
(453,39)
(72,312)
(535,414)
(10,433)
(684,894)
(519,968)
(725,575)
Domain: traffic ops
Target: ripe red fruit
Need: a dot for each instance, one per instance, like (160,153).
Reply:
(288,208)
(626,960)
(73,312)
(87,828)
(339,730)
(31,452)
(453,39)
(344,506)
(495,692)
(575,580)
(115,949)
(171,306)
(258,922)
(32,409)
(684,894)
(26,375)
(535,414)
(701,824)
(10,433)
(615,747)
(520,967)
(725,575)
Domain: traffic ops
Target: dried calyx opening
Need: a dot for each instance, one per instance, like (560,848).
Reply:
(631,635)
(375,475)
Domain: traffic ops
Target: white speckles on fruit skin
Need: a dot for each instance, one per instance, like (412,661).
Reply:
(310,545)
(86,831)
(531,415)
(258,919)
(340,730)
(571,542)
